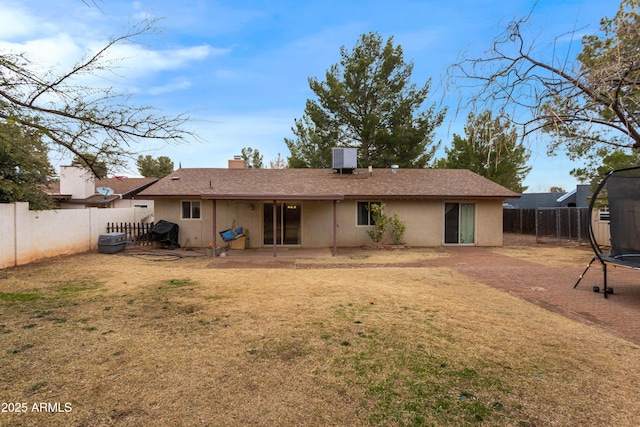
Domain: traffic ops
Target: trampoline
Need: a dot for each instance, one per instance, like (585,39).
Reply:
(620,192)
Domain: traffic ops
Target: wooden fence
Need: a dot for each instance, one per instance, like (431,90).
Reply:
(559,224)
(137,233)
(521,221)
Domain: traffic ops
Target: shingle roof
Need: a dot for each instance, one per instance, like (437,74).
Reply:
(120,186)
(324,184)
(125,186)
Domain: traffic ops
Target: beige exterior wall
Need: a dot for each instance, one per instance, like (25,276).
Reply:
(133,203)
(76,181)
(601,229)
(424,220)
(489,222)
(192,232)
(240,213)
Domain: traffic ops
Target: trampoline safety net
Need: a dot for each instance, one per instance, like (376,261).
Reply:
(623,192)
(620,192)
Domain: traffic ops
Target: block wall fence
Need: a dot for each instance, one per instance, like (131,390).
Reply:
(27,236)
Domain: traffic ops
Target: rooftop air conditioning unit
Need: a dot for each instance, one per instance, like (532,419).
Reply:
(345,158)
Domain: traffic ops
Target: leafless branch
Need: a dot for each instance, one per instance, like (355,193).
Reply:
(79,119)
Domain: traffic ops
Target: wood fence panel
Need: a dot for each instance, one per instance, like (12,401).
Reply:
(137,233)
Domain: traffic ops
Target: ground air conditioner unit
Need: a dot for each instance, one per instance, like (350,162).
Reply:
(345,158)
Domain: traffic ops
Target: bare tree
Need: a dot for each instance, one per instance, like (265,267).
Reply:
(586,102)
(95,124)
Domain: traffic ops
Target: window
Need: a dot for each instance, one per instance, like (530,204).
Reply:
(288,223)
(190,210)
(603,214)
(459,223)
(364,213)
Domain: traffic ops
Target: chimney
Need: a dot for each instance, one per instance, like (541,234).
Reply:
(237,163)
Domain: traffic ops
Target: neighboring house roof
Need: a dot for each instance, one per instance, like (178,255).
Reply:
(126,187)
(578,197)
(123,188)
(53,189)
(536,200)
(325,184)
(566,196)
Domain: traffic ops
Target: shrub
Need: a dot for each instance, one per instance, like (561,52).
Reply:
(398,228)
(381,222)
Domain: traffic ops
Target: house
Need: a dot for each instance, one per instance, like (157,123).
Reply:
(576,198)
(313,208)
(77,189)
(548,214)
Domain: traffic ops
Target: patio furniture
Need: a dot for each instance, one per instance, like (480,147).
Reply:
(234,238)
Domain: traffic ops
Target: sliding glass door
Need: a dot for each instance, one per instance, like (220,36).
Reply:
(288,216)
(459,223)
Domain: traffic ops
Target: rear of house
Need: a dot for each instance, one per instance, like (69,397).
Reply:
(314,208)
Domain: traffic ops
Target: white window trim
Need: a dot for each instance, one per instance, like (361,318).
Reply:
(191,218)
(603,214)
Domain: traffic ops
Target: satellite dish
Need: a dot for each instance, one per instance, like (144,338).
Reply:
(105,191)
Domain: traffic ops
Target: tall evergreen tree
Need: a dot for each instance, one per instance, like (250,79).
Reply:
(490,148)
(24,166)
(252,157)
(367,102)
(603,162)
(156,168)
(91,163)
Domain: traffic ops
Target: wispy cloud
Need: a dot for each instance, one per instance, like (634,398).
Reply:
(136,61)
(176,84)
(15,23)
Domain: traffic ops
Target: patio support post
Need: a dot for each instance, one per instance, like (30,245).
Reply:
(335,229)
(214,225)
(275,223)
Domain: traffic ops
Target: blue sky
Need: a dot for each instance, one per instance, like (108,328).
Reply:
(241,68)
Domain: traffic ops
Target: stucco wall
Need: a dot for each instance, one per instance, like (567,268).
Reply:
(8,233)
(76,181)
(317,224)
(423,218)
(200,232)
(32,235)
(247,214)
(132,203)
(489,223)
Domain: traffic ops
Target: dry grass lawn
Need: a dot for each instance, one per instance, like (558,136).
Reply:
(119,340)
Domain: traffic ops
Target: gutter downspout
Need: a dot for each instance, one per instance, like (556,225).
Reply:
(215,220)
(335,229)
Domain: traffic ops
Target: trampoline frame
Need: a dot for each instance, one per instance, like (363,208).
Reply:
(607,258)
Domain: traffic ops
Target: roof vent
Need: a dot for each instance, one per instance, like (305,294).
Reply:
(175,178)
(344,159)
(394,168)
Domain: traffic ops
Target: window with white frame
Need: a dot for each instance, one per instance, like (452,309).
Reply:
(364,213)
(190,209)
(603,214)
